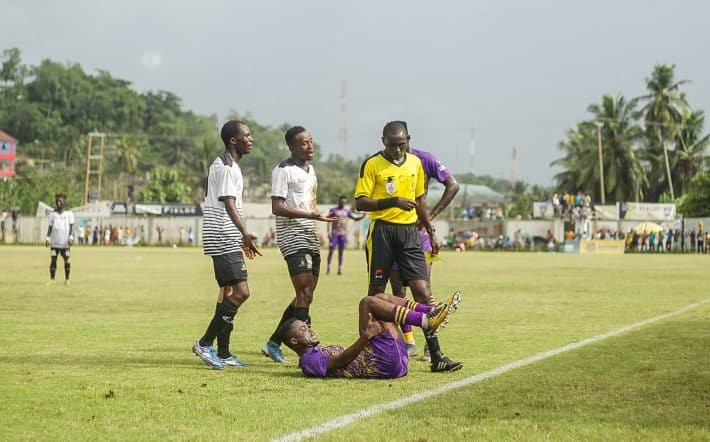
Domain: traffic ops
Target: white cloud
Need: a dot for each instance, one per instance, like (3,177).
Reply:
(152,60)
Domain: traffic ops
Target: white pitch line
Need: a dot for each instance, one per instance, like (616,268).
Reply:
(399,403)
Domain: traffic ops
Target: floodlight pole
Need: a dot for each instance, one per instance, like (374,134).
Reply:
(599,124)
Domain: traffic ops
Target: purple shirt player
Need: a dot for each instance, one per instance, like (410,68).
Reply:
(380,351)
(338,231)
(384,357)
(433,168)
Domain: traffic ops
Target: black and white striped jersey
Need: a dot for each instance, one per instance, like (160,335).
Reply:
(298,188)
(219,234)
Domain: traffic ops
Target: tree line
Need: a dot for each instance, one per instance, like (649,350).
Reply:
(158,151)
(652,148)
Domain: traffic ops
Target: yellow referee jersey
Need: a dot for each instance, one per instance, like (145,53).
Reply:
(380,178)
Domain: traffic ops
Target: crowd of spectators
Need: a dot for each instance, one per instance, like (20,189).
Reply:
(484,212)
(693,241)
(126,236)
(572,206)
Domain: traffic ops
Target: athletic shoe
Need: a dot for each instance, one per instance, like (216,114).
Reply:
(51,282)
(66,282)
(439,316)
(208,355)
(273,351)
(232,361)
(426,357)
(445,364)
(411,349)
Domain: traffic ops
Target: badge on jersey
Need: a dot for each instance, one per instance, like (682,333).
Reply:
(390,186)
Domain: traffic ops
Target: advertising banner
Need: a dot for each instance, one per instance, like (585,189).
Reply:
(571,246)
(601,246)
(647,212)
(150,209)
(608,212)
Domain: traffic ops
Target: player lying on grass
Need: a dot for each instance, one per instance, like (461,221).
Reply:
(380,351)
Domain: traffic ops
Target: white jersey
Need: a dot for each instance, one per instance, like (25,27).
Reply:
(298,188)
(61,224)
(219,234)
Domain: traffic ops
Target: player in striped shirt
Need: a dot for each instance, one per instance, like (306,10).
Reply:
(227,241)
(293,200)
(60,237)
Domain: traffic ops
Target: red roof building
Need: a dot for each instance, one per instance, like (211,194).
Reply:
(8,154)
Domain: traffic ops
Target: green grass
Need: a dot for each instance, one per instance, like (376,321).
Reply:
(109,357)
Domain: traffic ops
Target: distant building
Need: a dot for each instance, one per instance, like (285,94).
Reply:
(8,154)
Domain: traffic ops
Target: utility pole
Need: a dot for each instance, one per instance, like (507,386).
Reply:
(599,124)
(343,122)
(514,171)
(94,170)
(668,167)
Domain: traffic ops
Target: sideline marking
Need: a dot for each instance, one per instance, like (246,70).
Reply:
(399,403)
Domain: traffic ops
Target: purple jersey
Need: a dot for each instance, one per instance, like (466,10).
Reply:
(340,226)
(384,357)
(433,168)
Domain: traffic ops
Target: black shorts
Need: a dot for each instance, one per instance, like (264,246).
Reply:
(388,243)
(230,269)
(57,252)
(303,261)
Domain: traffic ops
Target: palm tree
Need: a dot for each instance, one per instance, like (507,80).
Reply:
(580,153)
(664,110)
(691,149)
(625,176)
(128,152)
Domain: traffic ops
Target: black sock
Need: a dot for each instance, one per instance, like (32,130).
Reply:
(287,314)
(434,350)
(223,340)
(227,312)
(52,270)
(301,313)
(67,270)
(212,329)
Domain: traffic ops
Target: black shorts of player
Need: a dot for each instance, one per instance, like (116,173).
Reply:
(64,253)
(388,243)
(303,261)
(230,269)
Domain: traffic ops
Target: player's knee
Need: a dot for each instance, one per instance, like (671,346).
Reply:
(379,296)
(366,302)
(239,296)
(306,295)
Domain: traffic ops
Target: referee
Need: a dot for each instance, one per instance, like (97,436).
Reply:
(391,186)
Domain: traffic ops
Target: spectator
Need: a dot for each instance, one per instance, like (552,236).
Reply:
(556,204)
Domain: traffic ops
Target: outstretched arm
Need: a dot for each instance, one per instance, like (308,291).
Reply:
(340,360)
(279,208)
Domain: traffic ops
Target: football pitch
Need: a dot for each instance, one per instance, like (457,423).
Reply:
(109,358)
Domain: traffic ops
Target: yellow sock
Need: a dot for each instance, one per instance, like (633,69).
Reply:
(408,337)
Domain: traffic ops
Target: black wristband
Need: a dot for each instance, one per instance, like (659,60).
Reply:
(386,203)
